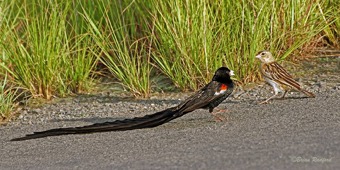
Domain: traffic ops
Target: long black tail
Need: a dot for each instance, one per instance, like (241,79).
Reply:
(147,121)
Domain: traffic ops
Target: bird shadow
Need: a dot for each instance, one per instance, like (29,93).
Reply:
(90,120)
(84,98)
(281,99)
(296,97)
(257,101)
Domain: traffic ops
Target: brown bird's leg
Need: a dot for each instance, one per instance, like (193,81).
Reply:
(284,94)
(267,100)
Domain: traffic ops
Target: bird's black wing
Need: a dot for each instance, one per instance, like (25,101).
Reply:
(201,99)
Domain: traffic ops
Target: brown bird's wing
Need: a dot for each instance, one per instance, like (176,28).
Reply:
(276,72)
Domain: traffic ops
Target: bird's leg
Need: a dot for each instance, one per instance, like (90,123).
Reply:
(217,116)
(266,101)
(284,93)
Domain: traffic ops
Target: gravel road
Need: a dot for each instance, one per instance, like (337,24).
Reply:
(293,133)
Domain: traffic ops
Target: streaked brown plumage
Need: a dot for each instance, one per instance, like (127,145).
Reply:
(277,76)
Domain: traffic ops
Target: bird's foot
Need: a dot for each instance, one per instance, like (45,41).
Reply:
(218,117)
(267,101)
(221,110)
(264,102)
(284,95)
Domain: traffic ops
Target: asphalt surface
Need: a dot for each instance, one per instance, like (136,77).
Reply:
(294,133)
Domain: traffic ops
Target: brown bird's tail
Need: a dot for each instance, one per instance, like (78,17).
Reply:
(309,94)
(147,121)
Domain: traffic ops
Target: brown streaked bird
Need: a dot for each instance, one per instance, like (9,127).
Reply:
(209,97)
(275,75)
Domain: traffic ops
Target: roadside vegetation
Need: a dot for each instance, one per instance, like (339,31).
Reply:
(62,47)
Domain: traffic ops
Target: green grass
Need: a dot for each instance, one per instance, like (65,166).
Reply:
(52,48)
(196,38)
(7,100)
(189,46)
(44,57)
(332,31)
(124,48)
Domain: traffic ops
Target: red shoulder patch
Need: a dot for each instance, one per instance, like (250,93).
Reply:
(224,87)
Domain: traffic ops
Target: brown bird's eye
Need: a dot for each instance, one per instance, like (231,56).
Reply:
(262,53)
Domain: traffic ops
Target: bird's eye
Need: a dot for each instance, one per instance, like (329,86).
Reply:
(262,53)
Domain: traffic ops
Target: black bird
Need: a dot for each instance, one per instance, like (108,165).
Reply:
(210,96)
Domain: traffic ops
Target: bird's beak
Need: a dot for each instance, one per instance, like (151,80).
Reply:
(231,73)
(258,56)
